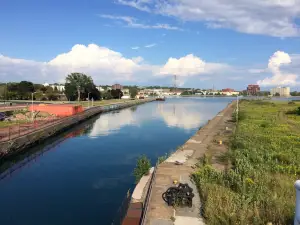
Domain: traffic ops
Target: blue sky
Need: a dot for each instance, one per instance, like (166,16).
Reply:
(225,43)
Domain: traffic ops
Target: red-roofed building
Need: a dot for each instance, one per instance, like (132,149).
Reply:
(228,90)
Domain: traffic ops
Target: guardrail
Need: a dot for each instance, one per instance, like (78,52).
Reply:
(148,197)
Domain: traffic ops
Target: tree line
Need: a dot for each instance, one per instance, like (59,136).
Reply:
(78,86)
(24,89)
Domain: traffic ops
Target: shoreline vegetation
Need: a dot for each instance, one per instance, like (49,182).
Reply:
(264,162)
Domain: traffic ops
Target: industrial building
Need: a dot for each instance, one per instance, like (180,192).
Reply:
(281,91)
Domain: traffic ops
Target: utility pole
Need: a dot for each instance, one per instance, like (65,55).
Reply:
(175,83)
(5,94)
(32,117)
(237,108)
(89,99)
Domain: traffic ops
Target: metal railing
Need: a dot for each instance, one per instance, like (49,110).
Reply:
(16,131)
(148,197)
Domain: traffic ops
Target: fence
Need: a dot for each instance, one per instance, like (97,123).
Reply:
(15,131)
(148,197)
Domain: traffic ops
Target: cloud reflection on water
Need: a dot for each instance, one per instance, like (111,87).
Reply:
(184,114)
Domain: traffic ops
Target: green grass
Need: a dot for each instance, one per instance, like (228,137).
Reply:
(265,157)
(106,102)
(4,124)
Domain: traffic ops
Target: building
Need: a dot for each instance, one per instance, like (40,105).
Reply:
(253,89)
(99,88)
(227,90)
(281,91)
(117,86)
(59,87)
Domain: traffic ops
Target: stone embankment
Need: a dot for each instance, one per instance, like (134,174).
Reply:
(156,211)
(19,143)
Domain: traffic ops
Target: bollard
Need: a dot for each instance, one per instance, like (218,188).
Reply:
(297,210)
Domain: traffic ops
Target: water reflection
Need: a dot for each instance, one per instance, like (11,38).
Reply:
(112,122)
(182,114)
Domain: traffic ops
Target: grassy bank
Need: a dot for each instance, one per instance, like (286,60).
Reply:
(265,162)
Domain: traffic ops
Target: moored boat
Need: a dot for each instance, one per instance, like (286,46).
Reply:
(161,98)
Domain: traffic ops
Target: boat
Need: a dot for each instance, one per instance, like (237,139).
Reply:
(161,98)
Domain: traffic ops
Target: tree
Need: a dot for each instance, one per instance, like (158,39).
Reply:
(133,92)
(2,91)
(142,168)
(43,89)
(116,93)
(78,85)
(107,95)
(26,87)
(38,87)
(277,94)
(52,97)
(186,93)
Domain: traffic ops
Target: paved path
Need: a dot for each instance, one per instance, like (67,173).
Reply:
(158,212)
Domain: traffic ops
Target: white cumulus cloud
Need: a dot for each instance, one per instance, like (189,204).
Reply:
(106,66)
(190,65)
(279,77)
(103,64)
(267,17)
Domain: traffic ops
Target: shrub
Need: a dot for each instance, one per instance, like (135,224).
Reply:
(142,168)
(295,111)
(241,116)
(163,158)
(258,187)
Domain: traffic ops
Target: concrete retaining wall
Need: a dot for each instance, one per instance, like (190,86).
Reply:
(21,143)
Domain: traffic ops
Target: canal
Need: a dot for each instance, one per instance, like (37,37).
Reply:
(81,176)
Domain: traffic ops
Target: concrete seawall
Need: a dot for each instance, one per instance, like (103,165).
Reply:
(21,143)
(156,211)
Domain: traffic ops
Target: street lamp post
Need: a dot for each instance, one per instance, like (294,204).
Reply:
(89,99)
(6,93)
(32,106)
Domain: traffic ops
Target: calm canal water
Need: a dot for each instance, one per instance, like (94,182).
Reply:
(82,176)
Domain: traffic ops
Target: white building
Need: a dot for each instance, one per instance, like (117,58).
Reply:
(59,87)
(230,93)
(282,91)
(99,88)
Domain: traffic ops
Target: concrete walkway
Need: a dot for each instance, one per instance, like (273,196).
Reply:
(158,212)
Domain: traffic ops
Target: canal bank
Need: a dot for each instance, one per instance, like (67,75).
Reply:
(179,166)
(19,142)
(82,175)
